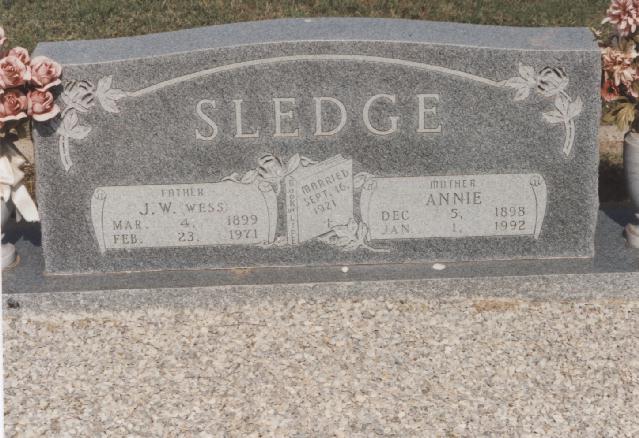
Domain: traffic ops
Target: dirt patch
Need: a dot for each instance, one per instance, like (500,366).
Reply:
(495,305)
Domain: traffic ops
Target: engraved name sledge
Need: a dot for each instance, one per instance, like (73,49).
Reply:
(549,82)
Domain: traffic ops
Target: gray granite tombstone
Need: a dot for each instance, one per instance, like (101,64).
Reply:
(320,142)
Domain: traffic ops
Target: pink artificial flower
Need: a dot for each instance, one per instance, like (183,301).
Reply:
(41,106)
(619,65)
(13,105)
(624,14)
(45,73)
(21,53)
(13,72)
(610,91)
(2,37)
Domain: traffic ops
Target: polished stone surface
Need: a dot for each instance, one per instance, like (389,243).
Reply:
(334,106)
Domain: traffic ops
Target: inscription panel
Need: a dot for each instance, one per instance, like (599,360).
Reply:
(454,206)
(224,213)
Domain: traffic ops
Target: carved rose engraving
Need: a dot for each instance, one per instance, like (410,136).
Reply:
(80,97)
(550,82)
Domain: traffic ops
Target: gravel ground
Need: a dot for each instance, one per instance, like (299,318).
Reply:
(400,367)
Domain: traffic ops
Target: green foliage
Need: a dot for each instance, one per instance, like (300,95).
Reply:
(620,113)
(30,21)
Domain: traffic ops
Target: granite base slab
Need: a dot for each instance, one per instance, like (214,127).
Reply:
(613,273)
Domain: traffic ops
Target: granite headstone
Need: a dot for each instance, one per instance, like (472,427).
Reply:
(320,142)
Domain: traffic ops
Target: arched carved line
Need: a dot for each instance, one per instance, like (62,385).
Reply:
(294,58)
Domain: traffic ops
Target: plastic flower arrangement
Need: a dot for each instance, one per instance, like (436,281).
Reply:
(619,39)
(25,94)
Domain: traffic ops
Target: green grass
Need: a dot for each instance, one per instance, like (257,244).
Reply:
(30,21)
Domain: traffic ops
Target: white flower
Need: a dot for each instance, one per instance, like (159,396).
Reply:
(11,186)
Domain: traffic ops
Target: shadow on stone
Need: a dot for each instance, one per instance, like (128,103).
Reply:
(612,183)
(29,232)
(622,216)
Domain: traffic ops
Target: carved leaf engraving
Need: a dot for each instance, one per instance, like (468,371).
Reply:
(528,74)
(108,96)
(70,127)
(293,163)
(522,87)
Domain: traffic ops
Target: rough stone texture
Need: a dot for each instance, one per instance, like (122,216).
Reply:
(402,366)
(613,272)
(485,348)
(152,139)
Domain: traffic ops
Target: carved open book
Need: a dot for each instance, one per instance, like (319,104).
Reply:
(318,198)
